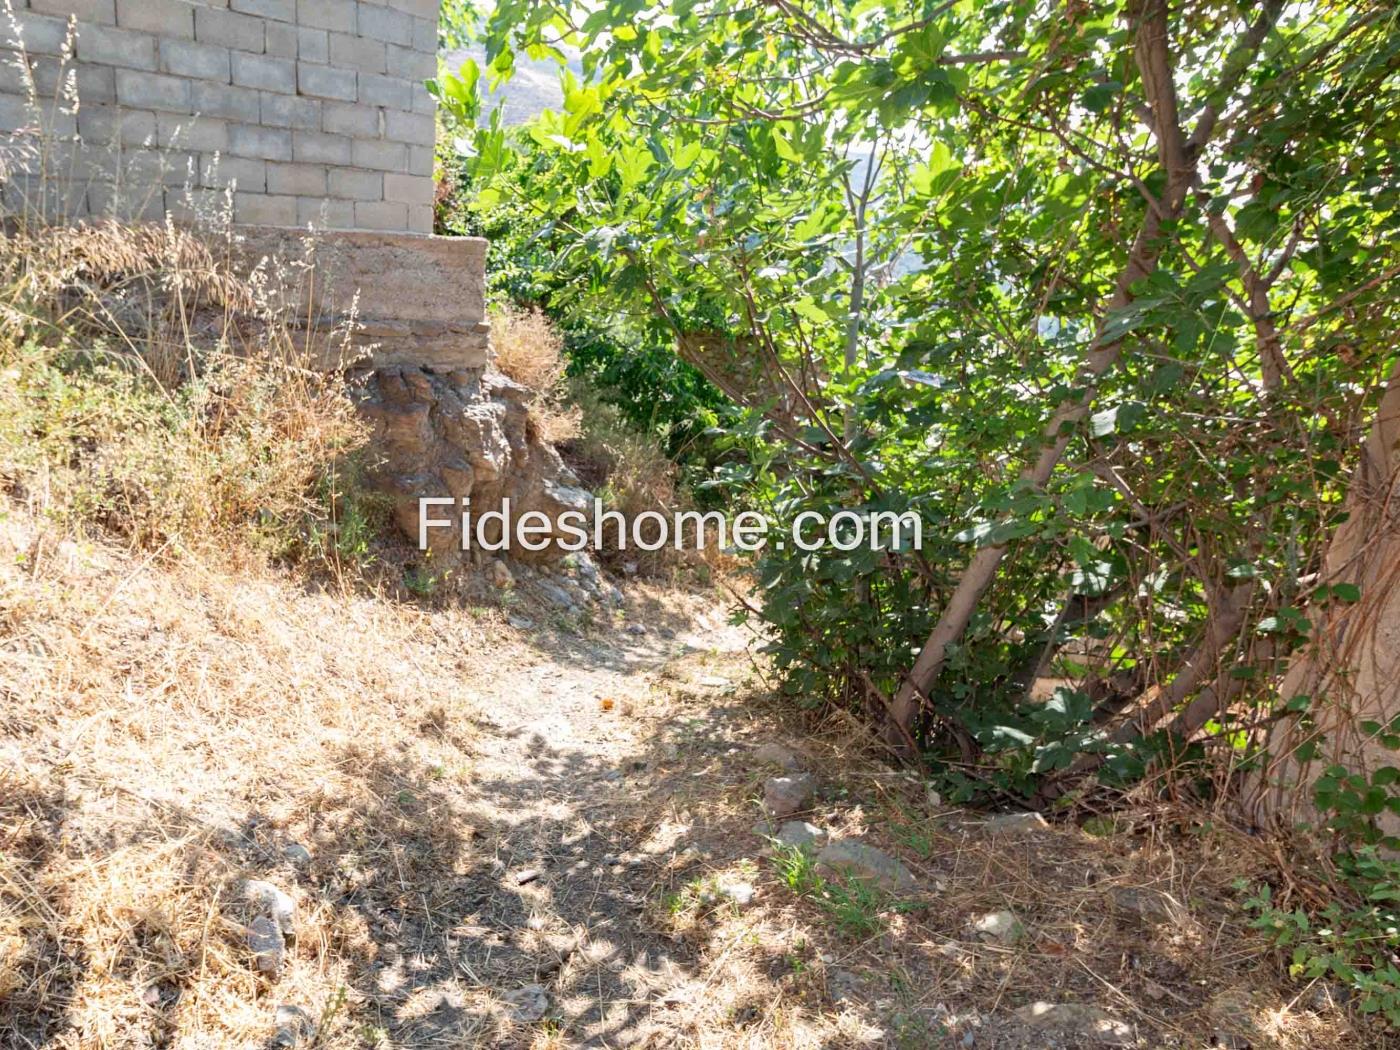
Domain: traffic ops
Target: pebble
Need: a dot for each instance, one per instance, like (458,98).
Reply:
(527,876)
(527,1004)
(266,943)
(1000,926)
(273,903)
(293,1025)
(298,854)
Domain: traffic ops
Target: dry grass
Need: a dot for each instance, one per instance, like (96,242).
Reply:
(530,350)
(166,731)
(138,401)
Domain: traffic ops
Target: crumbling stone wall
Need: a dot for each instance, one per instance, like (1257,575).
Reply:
(314,111)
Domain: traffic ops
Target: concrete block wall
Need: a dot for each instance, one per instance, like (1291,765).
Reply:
(309,111)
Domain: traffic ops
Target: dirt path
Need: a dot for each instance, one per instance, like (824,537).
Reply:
(578,799)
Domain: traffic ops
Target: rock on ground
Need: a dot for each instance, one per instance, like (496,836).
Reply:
(1015,823)
(793,833)
(784,796)
(1087,1024)
(1002,926)
(527,1004)
(775,754)
(858,860)
(268,946)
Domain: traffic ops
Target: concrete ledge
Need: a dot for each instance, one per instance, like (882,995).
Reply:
(415,299)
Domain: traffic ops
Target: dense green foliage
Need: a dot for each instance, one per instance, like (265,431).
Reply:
(1103,293)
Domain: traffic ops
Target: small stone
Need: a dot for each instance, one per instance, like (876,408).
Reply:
(268,946)
(272,903)
(527,876)
(293,1025)
(527,1004)
(714,681)
(1000,926)
(297,854)
(1079,1020)
(636,629)
(775,754)
(784,796)
(738,892)
(520,623)
(793,833)
(858,860)
(501,575)
(1015,823)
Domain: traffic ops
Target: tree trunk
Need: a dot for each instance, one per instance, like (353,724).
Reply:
(1351,671)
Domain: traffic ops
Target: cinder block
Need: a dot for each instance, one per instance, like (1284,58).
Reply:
(350,118)
(425,34)
(410,63)
(386,91)
(180,131)
(188,204)
(380,155)
(360,53)
(353,184)
(242,173)
(291,111)
(381,215)
(300,180)
(408,189)
(142,168)
(281,39)
(251,140)
(420,160)
(313,45)
(422,101)
(100,12)
(262,209)
(279,10)
(420,218)
(169,18)
(316,147)
(188,59)
(37,35)
(229,29)
(264,72)
(323,214)
(103,125)
(223,100)
(55,79)
(116,47)
(153,91)
(327,14)
(417,129)
(126,201)
(385,23)
(325,82)
(17,114)
(420,8)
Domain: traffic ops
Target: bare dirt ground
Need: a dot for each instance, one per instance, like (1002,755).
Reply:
(540,838)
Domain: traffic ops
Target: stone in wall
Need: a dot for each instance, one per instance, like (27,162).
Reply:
(467,433)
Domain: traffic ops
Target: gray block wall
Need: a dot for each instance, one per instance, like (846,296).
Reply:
(309,111)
